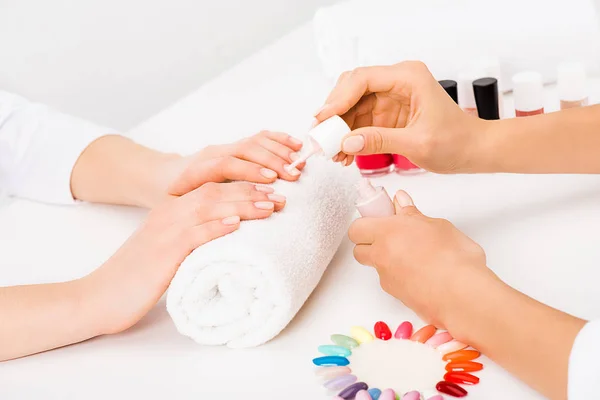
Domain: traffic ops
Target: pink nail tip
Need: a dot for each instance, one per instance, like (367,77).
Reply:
(363,395)
(451,346)
(332,372)
(414,395)
(439,339)
(404,331)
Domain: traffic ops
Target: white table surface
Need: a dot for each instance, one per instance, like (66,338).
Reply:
(540,234)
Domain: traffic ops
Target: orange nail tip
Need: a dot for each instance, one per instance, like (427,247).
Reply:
(461,355)
(463,378)
(464,366)
(423,334)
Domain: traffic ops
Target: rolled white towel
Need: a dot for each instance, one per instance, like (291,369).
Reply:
(450,35)
(243,289)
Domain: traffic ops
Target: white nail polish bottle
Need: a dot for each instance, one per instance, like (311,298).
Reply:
(373,201)
(324,139)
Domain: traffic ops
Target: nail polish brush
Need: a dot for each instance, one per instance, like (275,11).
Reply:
(324,139)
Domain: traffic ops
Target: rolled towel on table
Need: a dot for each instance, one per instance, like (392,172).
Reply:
(244,288)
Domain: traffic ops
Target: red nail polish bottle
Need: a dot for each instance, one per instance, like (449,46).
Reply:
(404,166)
(375,164)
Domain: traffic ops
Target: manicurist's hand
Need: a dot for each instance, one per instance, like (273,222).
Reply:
(442,275)
(402,109)
(121,291)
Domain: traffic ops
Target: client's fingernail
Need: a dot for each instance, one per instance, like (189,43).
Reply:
(264,205)
(294,156)
(403,199)
(277,198)
(314,123)
(295,141)
(353,144)
(292,171)
(264,189)
(320,109)
(231,220)
(268,173)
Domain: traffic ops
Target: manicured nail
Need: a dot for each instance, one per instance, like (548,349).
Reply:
(234,220)
(295,141)
(353,144)
(294,156)
(292,171)
(277,198)
(423,334)
(268,173)
(439,339)
(314,123)
(264,189)
(403,199)
(320,110)
(264,205)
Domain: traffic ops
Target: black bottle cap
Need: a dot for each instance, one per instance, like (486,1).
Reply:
(450,88)
(486,98)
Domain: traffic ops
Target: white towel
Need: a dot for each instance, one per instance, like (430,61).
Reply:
(243,289)
(452,35)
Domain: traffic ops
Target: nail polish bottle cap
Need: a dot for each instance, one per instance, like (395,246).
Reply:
(450,88)
(491,68)
(329,135)
(486,97)
(528,91)
(466,97)
(571,81)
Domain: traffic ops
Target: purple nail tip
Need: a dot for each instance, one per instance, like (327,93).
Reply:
(350,391)
(340,382)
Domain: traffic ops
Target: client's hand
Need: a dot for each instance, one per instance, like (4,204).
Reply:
(260,158)
(130,283)
(401,109)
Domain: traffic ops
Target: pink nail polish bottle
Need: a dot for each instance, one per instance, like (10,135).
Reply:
(375,164)
(373,201)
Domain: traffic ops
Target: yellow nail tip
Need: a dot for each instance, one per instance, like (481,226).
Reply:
(361,335)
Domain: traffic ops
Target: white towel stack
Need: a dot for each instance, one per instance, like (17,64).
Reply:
(449,35)
(243,289)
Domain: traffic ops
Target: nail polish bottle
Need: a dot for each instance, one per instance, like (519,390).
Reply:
(466,97)
(375,164)
(373,201)
(528,93)
(450,87)
(486,98)
(324,139)
(571,83)
(404,166)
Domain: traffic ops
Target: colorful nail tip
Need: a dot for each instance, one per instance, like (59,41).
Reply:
(439,339)
(461,355)
(340,382)
(463,378)
(344,341)
(413,395)
(331,360)
(334,350)
(337,398)
(451,389)
(332,372)
(361,334)
(464,366)
(350,391)
(363,395)
(423,334)
(404,330)
(382,331)
(436,397)
(451,347)
(375,393)
(387,394)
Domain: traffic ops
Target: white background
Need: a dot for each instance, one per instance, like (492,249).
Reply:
(117,62)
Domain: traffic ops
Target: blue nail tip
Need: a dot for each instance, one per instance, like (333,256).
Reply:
(331,360)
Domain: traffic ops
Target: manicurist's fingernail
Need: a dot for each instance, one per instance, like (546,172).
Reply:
(403,199)
(264,205)
(264,189)
(234,220)
(353,144)
(294,156)
(268,173)
(320,110)
(276,198)
(295,141)
(292,171)
(314,123)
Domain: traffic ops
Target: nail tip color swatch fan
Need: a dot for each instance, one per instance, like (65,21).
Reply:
(243,289)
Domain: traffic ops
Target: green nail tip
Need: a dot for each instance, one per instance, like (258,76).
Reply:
(344,341)
(334,350)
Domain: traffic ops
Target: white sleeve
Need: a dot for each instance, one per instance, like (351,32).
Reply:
(584,363)
(39,148)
